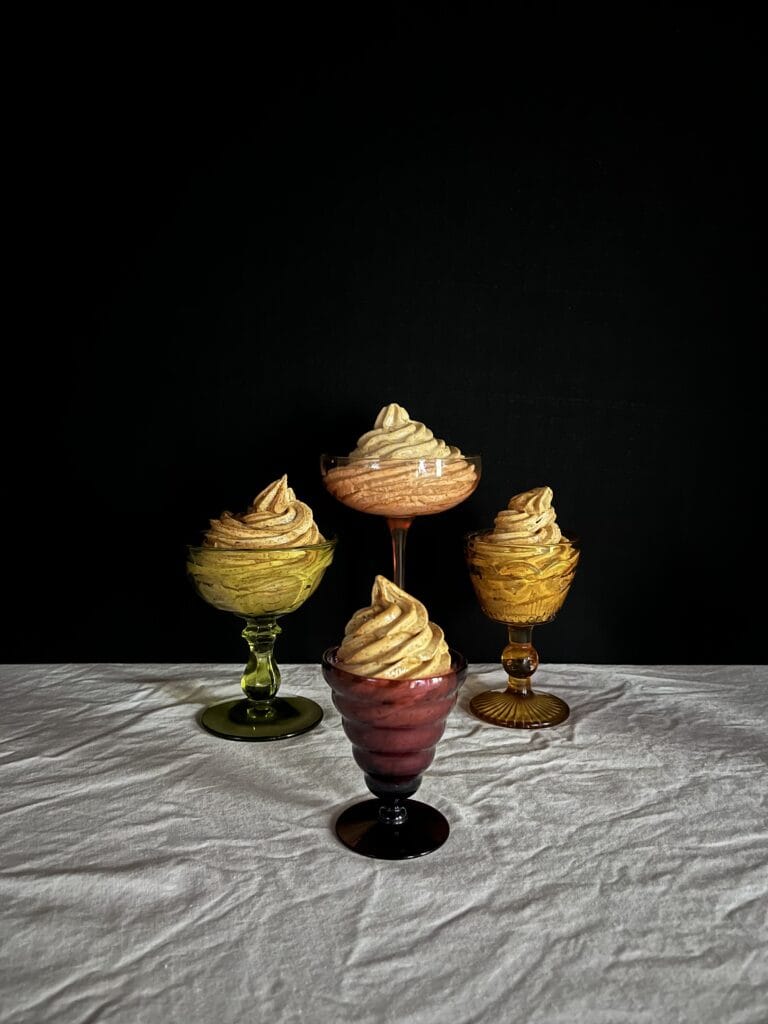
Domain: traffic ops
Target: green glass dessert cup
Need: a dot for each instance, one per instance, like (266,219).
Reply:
(521,586)
(260,585)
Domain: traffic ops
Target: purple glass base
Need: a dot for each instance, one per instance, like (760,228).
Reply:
(361,829)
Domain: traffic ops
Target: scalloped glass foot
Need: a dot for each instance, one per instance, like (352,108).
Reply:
(517,711)
(360,829)
(285,717)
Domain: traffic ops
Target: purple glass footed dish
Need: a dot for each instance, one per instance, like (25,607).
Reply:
(394,726)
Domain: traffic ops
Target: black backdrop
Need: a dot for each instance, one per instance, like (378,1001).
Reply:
(543,244)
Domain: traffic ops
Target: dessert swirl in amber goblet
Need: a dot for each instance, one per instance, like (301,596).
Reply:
(260,586)
(394,726)
(522,584)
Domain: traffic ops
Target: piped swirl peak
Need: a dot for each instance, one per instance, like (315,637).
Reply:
(393,638)
(391,416)
(396,436)
(274,519)
(529,518)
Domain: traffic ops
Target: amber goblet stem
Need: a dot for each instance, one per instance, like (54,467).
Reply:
(398,531)
(520,660)
(519,706)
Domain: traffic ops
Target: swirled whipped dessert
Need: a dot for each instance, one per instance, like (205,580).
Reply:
(264,561)
(393,638)
(396,436)
(274,519)
(400,469)
(522,568)
(529,518)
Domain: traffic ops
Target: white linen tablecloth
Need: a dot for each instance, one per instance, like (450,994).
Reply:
(612,869)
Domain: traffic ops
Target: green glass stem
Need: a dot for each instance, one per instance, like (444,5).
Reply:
(261,679)
(520,660)
(398,531)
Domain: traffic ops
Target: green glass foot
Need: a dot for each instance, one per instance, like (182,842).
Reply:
(284,717)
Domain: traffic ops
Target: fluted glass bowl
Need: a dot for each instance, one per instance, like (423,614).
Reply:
(254,582)
(524,584)
(394,726)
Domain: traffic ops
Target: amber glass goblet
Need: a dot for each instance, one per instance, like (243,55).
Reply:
(394,726)
(521,585)
(399,490)
(260,586)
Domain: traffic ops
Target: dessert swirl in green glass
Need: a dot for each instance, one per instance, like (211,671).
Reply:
(261,565)
(255,583)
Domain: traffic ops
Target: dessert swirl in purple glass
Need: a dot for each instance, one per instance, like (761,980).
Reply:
(394,681)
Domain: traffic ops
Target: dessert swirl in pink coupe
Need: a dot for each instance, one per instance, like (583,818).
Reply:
(394,682)
(400,469)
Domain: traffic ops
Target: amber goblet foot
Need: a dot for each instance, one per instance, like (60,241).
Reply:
(521,585)
(394,726)
(260,586)
(519,707)
(400,490)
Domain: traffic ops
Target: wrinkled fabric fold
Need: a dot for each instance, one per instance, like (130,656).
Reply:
(612,869)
